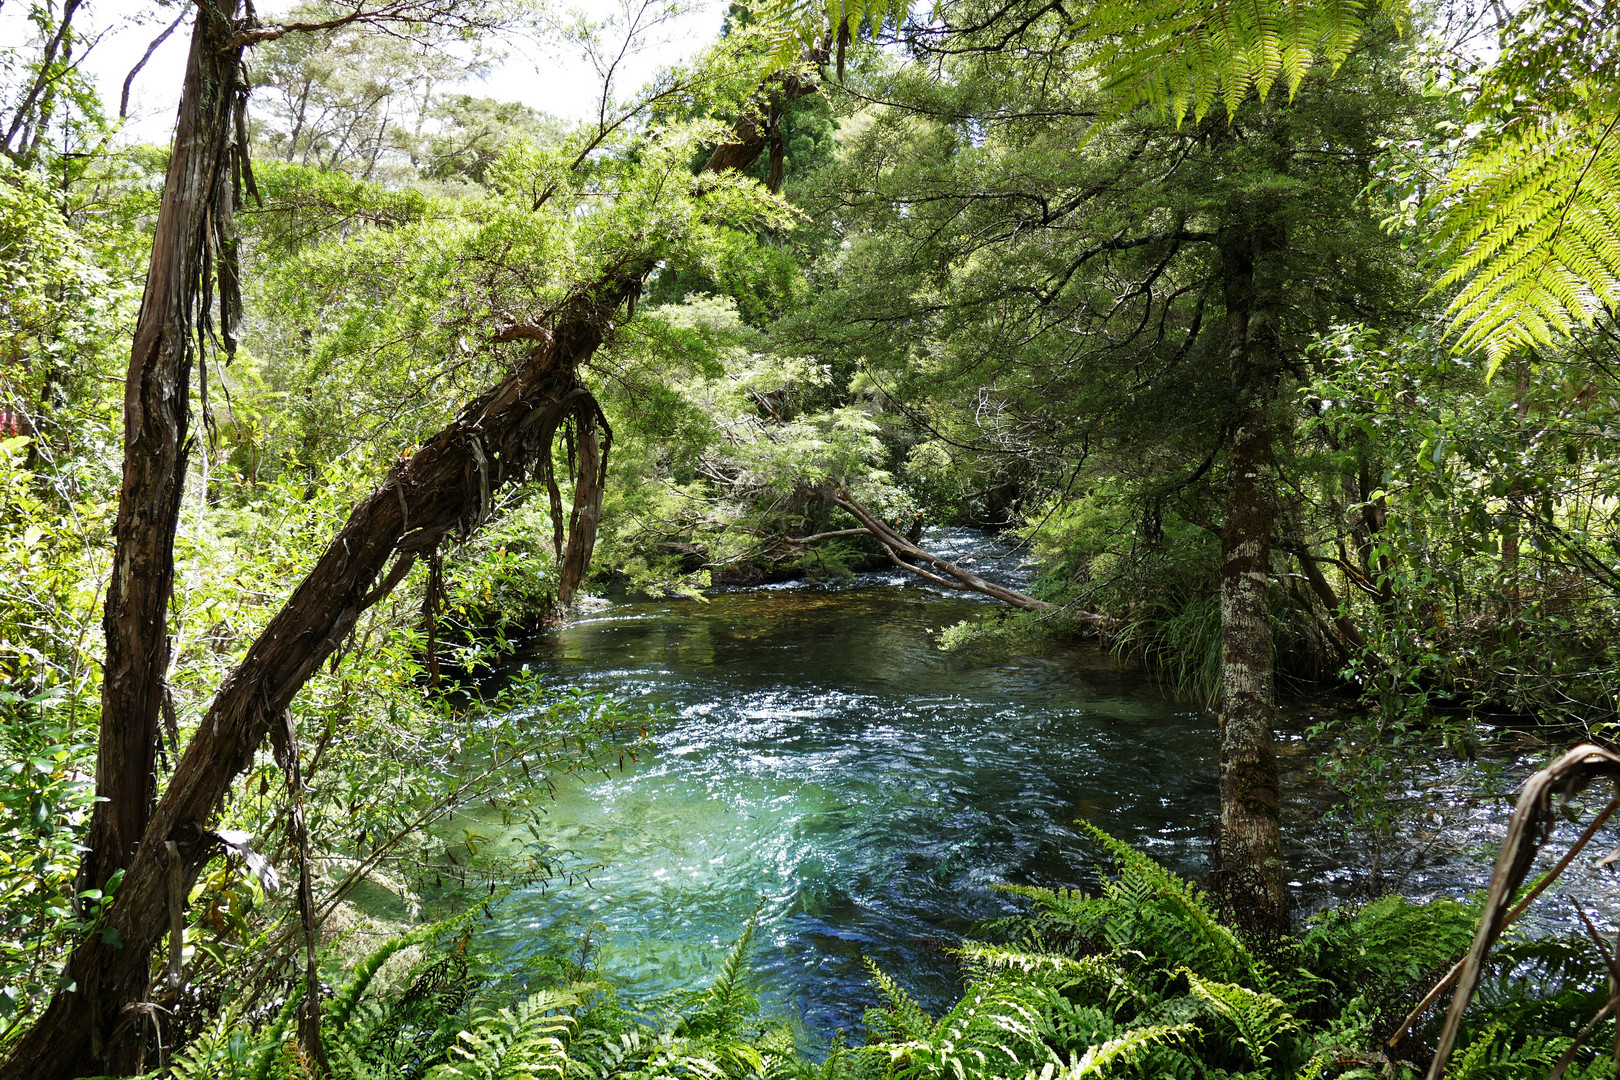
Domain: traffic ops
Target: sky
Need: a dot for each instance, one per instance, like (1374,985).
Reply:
(553,78)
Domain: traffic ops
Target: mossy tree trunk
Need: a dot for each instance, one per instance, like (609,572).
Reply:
(1249,873)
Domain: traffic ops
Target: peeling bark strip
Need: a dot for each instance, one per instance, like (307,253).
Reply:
(1249,875)
(193,219)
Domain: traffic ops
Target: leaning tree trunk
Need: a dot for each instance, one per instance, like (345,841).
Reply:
(446,486)
(1249,872)
(502,437)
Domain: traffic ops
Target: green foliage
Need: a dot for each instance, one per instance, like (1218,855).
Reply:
(1182,57)
(526,1042)
(1096,986)
(1527,219)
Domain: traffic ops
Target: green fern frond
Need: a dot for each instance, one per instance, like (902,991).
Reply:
(980,958)
(728,1001)
(900,1018)
(1142,881)
(1095,977)
(1530,228)
(1128,1049)
(1258,1019)
(340,1011)
(829,25)
(1054,899)
(528,1042)
(272,1038)
(1182,57)
(209,1054)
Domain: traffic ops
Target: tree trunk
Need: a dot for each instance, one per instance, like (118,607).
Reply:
(193,220)
(1249,876)
(447,485)
(591,473)
(444,487)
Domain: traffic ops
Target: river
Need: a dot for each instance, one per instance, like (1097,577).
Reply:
(822,757)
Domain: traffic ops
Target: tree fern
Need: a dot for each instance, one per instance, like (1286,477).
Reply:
(1529,218)
(1178,56)
(1183,57)
(832,24)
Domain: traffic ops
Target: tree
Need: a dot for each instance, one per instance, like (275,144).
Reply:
(1527,215)
(662,212)
(1137,308)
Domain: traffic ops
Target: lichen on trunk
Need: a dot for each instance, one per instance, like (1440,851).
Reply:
(1249,873)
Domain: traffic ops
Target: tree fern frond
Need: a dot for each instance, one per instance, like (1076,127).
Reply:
(1181,58)
(1529,218)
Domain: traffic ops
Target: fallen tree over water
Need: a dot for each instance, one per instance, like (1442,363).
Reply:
(933,568)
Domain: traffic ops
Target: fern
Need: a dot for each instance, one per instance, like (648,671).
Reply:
(1128,1049)
(728,1001)
(1258,1019)
(341,1010)
(1177,56)
(701,1036)
(900,1018)
(1529,218)
(528,1042)
(1185,921)
(273,1038)
(210,1053)
(1183,57)
(830,24)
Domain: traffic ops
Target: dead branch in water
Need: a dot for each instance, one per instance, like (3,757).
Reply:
(950,576)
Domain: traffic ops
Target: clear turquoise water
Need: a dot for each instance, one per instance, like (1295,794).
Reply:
(824,758)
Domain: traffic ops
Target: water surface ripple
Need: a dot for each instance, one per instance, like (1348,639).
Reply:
(824,756)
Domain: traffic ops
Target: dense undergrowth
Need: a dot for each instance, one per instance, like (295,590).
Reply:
(1140,979)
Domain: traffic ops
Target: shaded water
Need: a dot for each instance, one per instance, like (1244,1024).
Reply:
(823,757)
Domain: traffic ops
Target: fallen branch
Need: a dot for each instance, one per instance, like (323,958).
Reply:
(950,576)
(834,534)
